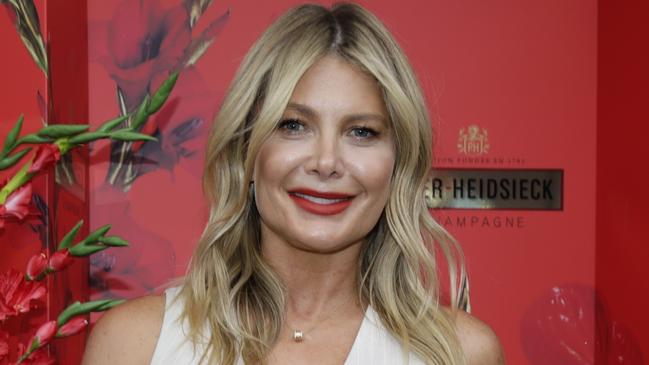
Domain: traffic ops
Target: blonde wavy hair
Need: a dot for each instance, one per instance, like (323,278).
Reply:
(234,302)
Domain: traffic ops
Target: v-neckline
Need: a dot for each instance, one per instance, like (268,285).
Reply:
(361,332)
(355,346)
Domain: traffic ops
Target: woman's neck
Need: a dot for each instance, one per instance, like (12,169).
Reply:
(316,282)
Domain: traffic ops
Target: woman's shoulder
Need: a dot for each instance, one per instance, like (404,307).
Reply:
(127,334)
(479,342)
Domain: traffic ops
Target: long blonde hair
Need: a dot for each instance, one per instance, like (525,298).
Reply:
(234,301)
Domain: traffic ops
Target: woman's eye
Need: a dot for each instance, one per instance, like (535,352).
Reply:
(364,132)
(291,126)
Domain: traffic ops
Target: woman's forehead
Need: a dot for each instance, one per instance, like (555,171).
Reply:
(333,83)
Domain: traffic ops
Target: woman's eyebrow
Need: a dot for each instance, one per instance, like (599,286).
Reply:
(366,116)
(310,113)
(302,109)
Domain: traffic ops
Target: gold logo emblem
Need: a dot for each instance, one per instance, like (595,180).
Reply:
(473,141)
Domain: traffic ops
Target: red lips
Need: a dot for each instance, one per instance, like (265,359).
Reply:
(320,207)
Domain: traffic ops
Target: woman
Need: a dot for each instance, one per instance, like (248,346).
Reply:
(319,247)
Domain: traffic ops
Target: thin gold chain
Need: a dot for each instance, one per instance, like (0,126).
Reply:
(298,335)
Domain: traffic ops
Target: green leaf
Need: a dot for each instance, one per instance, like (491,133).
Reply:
(127,135)
(7,162)
(141,115)
(67,313)
(85,250)
(111,124)
(62,130)
(111,304)
(78,308)
(87,137)
(34,138)
(66,242)
(92,237)
(161,95)
(113,241)
(10,141)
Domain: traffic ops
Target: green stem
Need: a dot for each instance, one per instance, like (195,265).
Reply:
(33,347)
(22,176)
(18,180)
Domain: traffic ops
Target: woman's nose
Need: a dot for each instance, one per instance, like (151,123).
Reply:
(326,157)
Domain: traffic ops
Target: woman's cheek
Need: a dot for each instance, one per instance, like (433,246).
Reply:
(374,167)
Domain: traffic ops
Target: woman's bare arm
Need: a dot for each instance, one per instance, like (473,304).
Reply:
(479,342)
(126,334)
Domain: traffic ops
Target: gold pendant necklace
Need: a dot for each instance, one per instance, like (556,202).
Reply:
(299,335)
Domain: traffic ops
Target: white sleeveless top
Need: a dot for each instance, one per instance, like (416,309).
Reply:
(373,344)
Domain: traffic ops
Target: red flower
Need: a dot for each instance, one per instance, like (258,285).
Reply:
(44,334)
(74,326)
(36,266)
(4,346)
(16,294)
(141,41)
(60,260)
(46,155)
(17,203)
(181,127)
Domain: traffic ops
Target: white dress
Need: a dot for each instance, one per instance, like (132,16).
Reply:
(373,344)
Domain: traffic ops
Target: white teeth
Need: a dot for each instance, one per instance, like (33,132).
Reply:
(318,200)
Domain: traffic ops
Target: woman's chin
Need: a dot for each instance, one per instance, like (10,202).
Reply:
(324,245)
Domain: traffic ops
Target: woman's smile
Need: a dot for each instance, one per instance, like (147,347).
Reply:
(322,203)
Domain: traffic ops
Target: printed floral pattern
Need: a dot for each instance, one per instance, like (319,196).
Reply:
(137,46)
(16,294)
(142,41)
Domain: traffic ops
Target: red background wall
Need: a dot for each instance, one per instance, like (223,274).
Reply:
(555,83)
(622,174)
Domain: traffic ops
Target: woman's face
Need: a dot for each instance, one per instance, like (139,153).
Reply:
(322,179)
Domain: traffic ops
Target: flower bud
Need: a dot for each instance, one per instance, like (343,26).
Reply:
(17,203)
(46,156)
(43,335)
(60,260)
(36,266)
(74,326)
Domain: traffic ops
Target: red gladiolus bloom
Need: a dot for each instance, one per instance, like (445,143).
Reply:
(4,346)
(36,266)
(17,203)
(46,155)
(44,334)
(60,260)
(181,127)
(74,326)
(144,39)
(16,294)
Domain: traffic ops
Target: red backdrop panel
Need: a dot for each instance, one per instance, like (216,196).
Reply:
(622,129)
(60,97)
(524,72)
